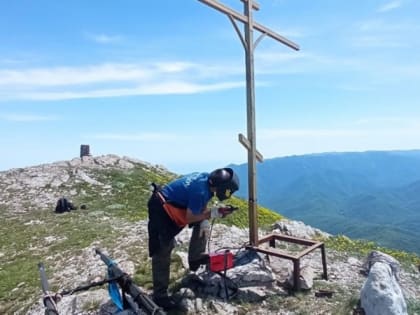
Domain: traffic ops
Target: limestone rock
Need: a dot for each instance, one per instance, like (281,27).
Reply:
(306,279)
(298,229)
(381,293)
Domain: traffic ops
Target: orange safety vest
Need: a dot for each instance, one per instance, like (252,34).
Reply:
(178,215)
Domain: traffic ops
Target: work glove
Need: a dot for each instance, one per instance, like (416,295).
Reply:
(204,229)
(215,213)
(220,211)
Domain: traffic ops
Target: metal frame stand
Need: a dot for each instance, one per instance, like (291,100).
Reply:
(312,245)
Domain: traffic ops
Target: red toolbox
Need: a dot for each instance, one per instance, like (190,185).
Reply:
(221,261)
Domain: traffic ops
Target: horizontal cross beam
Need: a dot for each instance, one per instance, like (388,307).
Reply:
(244,19)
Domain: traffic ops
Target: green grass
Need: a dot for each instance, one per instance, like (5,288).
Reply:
(413,307)
(24,242)
(239,218)
(362,248)
(342,301)
(130,190)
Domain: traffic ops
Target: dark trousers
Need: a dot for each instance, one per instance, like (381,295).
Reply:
(162,231)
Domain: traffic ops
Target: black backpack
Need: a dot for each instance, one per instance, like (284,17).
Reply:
(62,205)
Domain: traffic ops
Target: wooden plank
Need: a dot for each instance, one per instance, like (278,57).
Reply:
(244,141)
(244,19)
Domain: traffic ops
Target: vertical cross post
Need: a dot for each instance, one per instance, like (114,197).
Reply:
(250,105)
(250,142)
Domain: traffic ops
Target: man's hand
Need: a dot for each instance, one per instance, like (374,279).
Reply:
(215,213)
(221,211)
(226,210)
(204,229)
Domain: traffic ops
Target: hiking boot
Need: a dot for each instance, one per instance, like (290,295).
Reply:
(165,302)
(195,264)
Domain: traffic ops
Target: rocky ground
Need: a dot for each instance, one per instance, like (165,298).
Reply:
(267,292)
(263,281)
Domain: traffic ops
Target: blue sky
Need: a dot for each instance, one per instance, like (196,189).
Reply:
(164,81)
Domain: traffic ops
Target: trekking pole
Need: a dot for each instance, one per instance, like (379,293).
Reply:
(49,300)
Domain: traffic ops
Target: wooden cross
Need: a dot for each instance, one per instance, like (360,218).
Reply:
(249,142)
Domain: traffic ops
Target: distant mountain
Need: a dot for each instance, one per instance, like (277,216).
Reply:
(370,195)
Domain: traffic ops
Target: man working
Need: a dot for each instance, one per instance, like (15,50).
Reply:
(179,203)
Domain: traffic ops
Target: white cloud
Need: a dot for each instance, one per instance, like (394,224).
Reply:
(174,67)
(26,117)
(385,26)
(385,33)
(274,62)
(293,33)
(141,137)
(10,61)
(390,6)
(164,88)
(355,87)
(379,33)
(110,80)
(73,76)
(275,56)
(103,38)
(389,121)
(378,41)
(177,77)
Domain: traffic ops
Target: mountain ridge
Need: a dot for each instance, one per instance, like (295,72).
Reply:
(357,191)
